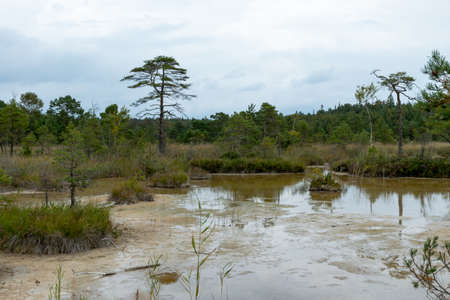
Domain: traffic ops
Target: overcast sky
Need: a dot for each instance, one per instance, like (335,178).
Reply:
(295,54)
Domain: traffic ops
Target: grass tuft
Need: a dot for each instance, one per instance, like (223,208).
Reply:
(174,179)
(131,191)
(54,229)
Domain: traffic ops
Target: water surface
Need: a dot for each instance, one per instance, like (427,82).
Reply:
(284,242)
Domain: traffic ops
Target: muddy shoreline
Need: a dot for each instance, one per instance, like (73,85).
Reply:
(278,248)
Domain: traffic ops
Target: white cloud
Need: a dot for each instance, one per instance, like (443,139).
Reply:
(294,54)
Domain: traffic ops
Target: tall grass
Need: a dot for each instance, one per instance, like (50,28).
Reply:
(130,191)
(54,229)
(175,179)
(318,154)
(55,291)
(144,161)
(376,163)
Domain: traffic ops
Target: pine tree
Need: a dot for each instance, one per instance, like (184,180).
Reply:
(69,158)
(168,83)
(398,83)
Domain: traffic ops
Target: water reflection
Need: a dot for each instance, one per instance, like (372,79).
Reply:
(370,196)
(257,188)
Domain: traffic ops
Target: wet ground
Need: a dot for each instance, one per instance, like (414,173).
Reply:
(284,242)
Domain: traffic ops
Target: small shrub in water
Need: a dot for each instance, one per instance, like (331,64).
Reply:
(323,182)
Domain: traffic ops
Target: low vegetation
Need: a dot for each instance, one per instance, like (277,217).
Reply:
(323,182)
(378,164)
(249,165)
(54,229)
(130,191)
(170,179)
(431,268)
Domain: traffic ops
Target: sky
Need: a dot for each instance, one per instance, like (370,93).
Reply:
(294,54)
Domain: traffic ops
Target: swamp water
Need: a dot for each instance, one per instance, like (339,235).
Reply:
(284,242)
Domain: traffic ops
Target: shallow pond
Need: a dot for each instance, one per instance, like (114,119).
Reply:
(284,242)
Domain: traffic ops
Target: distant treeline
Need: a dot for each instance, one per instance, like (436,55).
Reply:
(23,122)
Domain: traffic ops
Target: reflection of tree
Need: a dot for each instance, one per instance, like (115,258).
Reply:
(421,190)
(257,188)
(375,187)
(400,207)
(422,206)
(323,199)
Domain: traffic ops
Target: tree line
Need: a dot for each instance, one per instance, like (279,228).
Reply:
(367,120)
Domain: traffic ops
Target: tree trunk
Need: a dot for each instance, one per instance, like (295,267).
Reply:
(72,189)
(370,124)
(162,138)
(72,195)
(400,126)
(11,146)
(46,198)
(279,144)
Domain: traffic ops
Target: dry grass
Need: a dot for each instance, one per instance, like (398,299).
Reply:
(145,161)
(317,154)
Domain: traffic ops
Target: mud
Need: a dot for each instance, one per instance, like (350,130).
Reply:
(283,243)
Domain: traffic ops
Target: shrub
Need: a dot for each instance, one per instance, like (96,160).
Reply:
(242,165)
(119,167)
(230,155)
(54,229)
(431,267)
(174,179)
(396,167)
(4,178)
(323,182)
(131,191)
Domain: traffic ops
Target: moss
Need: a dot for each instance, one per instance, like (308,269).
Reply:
(54,229)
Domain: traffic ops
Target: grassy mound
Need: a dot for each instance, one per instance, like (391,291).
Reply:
(242,165)
(396,167)
(131,191)
(175,179)
(54,229)
(323,183)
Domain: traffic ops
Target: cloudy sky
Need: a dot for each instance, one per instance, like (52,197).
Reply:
(296,54)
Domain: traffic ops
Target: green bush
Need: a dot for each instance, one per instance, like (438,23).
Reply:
(4,178)
(242,165)
(168,179)
(323,182)
(230,155)
(396,167)
(131,191)
(54,229)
